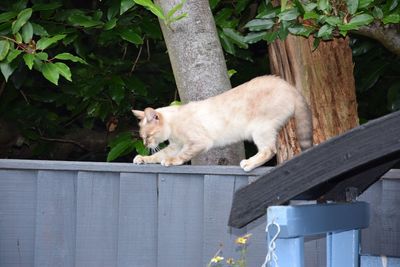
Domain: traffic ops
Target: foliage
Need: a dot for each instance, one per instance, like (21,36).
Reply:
(322,19)
(110,54)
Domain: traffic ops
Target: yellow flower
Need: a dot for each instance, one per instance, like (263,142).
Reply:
(242,240)
(217,259)
(230,261)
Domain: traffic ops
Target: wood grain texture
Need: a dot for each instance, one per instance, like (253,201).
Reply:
(339,158)
(137,232)
(325,77)
(17,218)
(55,219)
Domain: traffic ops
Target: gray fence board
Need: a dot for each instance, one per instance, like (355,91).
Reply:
(55,219)
(97,219)
(17,218)
(137,242)
(218,191)
(57,214)
(180,220)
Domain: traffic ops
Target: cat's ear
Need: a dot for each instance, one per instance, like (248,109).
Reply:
(139,114)
(151,115)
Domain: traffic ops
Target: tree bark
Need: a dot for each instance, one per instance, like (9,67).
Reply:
(198,64)
(325,78)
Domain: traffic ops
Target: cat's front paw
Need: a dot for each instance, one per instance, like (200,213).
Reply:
(246,165)
(140,159)
(172,161)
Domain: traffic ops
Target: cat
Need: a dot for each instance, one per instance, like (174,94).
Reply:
(255,110)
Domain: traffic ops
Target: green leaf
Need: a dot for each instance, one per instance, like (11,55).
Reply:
(113,11)
(173,10)
(141,149)
(226,43)
(110,24)
(364,3)
(325,31)
(13,54)
(125,6)
(155,9)
(231,72)
(63,70)
(259,24)
(316,43)
(310,7)
(334,21)
(356,22)
(392,18)
(310,15)
(122,148)
(131,36)
(301,30)
(222,17)
(45,42)
(6,69)
(4,48)
(300,6)
(7,16)
(27,32)
(39,30)
(50,72)
(270,37)
(254,37)
(267,14)
(68,56)
(235,37)
(29,58)
(42,56)
(390,5)
(352,6)
(78,19)
(289,14)
(18,38)
(22,18)
(324,5)
(377,12)
(44,7)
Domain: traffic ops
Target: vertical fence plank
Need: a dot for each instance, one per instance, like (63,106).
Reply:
(390,228)
(137,242)
(17,217)
(55,219)
(218,192)
(97,219)
(180,220)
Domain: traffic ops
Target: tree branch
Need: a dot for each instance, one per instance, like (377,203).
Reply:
(388,35)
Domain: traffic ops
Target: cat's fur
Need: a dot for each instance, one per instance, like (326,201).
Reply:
(255,110)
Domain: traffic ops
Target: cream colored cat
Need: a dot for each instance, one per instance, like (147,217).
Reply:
(255,110)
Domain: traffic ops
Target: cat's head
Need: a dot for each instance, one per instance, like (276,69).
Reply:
(153,130)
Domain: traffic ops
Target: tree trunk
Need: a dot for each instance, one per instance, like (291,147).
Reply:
(198,64)
(325,78)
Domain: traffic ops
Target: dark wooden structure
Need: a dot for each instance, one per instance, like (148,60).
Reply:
(347,164)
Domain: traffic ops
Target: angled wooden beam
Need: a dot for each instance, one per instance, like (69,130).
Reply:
(359,150)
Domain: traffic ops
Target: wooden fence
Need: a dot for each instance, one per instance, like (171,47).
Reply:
(112,214)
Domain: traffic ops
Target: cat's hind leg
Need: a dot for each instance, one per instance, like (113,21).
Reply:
(266,145)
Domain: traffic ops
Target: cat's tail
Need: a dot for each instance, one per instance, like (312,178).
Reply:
(304,125)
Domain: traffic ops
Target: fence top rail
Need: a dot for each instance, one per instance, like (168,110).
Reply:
(127,167)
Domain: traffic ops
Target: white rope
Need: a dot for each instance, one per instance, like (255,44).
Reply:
(271,256)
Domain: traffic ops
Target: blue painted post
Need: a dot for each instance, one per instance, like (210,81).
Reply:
(343,249)
(341,222)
